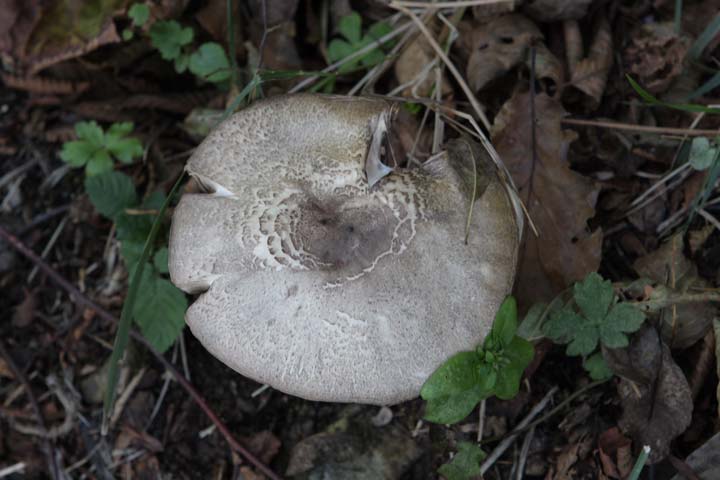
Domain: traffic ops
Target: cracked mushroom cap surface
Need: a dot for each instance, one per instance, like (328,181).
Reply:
(321,285)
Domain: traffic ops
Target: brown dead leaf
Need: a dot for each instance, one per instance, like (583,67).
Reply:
(655,396)
(213,18)
(497,47)
(16,24)
(25,311)
(683,324)
(411,66)
(655,56)
(589,75)
(612,447)
(559,200)
(263,444)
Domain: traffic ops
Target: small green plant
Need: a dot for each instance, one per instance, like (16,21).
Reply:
(95,149)
(465,464)
(350,27)
(593,316)
(467,378)
(139,13)
(160,307)
(170,38)
(703,153)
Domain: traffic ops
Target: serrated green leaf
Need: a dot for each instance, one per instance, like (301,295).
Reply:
(702,154)
(139,14)
(125,149)
(90,132)
(77,153)
(160,260)
(131,252)
(594,296)
(584,340)
(561,324)
(120,129)
(505,324)
(160,312)
(210,63)
(111,192)
(350,26)
(597,367)
(134,228)
(612,338)
(99,163)
(168,36)
(465,464)
(624,317)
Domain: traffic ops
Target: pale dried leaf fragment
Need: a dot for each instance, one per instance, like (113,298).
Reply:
(559,200)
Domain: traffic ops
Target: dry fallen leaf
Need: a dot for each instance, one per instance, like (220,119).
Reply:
(685,323)
(613,448)
(559,200)
(589,75)
(655,56)
(655,396)
(411,66)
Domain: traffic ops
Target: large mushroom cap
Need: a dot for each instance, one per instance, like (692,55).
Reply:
(317,283)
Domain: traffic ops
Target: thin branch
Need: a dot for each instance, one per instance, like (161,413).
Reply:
(80,299)
(640,128)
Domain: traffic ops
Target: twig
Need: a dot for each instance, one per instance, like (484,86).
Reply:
(507,441)
(49,246)
(80,299)
(640,128)
(456,4)
(20,376)
(481,421)
(125,396)
(450,65)
(524,451)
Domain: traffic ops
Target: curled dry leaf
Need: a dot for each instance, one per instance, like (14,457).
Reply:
(589,75)
(559,200)
(684,324)
(498,46)
(655,56)
(655,396)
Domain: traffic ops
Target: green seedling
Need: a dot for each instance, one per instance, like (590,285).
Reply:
(95,149)
(465,464)
(598,318)
(170,38)
(138,13)
(703,154)
(467,378)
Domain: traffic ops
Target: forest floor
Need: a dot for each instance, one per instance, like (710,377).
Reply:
(619,178)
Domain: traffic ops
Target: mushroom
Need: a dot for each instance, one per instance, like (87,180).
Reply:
(325,273)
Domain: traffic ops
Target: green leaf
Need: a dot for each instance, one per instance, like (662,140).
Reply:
(596,367)
(160,312)
(505,324)
(594,295)
(210,63)
(160,260)
(120,129)
(127,34)
(702,155)
(465,464)
(168,36)
(378,30)
(350,26)
(456,375)
(339,49)
(624,317)
(134,228)
(99,163)
(139,14)
(131,252)
(516,357)
(561,324)
(584,341)
(91,132)
(456,387)
(154,201)
(111,192)
(119,145)
(181,62)
(77,153)
(650,99)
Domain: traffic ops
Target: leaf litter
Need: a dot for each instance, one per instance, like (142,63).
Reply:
(59,72)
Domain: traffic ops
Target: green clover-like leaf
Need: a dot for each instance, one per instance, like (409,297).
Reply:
(110,192)
(597,367)
(594,296)
(702,154)
(100,162)
(168,36)
(210,63)
(465,464)
(139,14)
(90,132)
(350,26)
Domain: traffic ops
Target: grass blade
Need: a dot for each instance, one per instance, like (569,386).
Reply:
(705,38)
(651,100)
(123,331)
(712,83)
